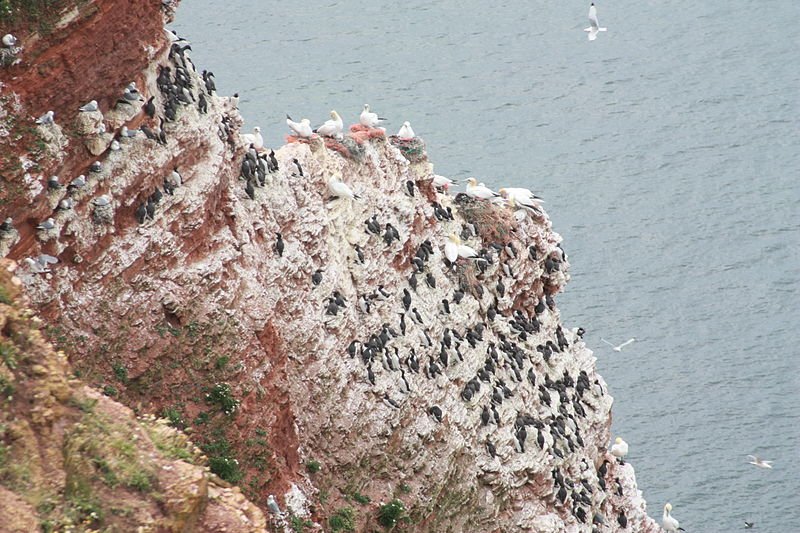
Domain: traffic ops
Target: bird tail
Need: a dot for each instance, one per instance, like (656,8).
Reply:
(357,197)
(290,118)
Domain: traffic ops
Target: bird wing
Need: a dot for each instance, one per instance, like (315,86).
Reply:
(627,342)
(593,17)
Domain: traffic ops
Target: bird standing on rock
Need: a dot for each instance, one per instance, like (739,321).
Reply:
(279,246)
(302,129)
(406,133)
(370,119)
(668,522)
(331,128)
(479,191)
(619,449)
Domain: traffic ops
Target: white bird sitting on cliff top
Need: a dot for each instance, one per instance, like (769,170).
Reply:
(406,133)
(464,251)
(301,129)
(621,346)
(442,182)
(254,138)
(47,118)
(91,106)
(47,224)
(340,190)
(331,128)
(594,25)
(524,197)
(370,119)
(668,522)
(619,449)
(479,191)
(40,265)
(9,41)
(451,248)
(754,460)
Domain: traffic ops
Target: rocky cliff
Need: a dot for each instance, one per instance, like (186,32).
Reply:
(321,351)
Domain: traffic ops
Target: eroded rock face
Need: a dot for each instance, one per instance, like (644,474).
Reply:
(71,457)
(195,313)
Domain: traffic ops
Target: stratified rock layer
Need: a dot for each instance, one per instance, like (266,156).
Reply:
(197,315)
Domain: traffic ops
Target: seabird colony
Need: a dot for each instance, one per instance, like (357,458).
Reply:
(177,88)
(553,430)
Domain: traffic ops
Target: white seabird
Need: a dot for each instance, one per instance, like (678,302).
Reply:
(479,191)
(91,106)
(522,196)
(47,224)
(254,138)
(442,182)
(621,346)
(301,129)
(370,119)
(451,248)
(340,190)
(331,128)
(619,449)
(406,133)
(754,460)
(464,251)
(594,25)
(668,522)
(47,118)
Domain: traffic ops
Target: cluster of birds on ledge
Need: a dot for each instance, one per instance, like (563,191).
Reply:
(505,361)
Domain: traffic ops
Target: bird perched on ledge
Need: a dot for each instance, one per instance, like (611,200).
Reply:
(302,129)
(331,128)
(370,119)
(619,450)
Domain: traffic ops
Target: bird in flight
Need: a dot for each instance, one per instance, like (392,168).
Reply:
(621,346)
(594,24)
(759,462)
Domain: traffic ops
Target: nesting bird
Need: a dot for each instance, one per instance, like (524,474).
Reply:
(619,450)
(302,129)
(406,133)
(480,191)
(369,119)
(331,128)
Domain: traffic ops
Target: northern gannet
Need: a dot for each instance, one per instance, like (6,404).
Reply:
(442,182)
(754,460)
(523,197)
(669,523)
(369,119)
(621,346)
(479,191)
(451,248)
(594,25)
(254,138)
(406,133)
(340,190)
(331,128)
(619,449)
(301,129)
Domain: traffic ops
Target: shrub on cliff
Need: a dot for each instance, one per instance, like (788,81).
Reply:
(222,396)
(343,520)
(391,513)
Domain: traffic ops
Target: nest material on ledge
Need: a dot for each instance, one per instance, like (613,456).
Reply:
(412,149)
